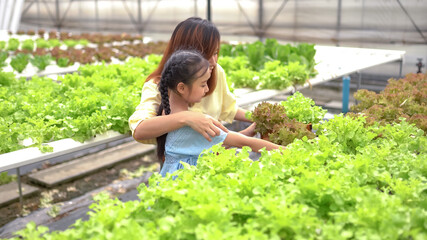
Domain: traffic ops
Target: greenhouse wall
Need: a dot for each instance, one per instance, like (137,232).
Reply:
(327,21)
(386,24)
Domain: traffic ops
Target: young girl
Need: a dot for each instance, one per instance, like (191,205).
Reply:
(184,83)
(219,103)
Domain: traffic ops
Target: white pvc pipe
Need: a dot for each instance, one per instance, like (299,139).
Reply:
(7,13)
(2,15)
(16,18)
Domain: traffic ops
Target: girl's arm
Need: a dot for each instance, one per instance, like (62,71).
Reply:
(235,139)
(159,125)
(240,116)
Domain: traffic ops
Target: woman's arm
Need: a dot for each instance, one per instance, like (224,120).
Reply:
(235,139)
(159,125)
(240,115)
(145,125)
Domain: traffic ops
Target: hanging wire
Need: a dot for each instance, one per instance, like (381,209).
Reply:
(412,20)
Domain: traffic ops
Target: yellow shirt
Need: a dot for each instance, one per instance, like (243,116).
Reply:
(221,104)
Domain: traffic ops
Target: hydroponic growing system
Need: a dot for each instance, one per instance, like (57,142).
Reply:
(360,174)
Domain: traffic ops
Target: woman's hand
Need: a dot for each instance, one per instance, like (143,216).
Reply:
(203,124)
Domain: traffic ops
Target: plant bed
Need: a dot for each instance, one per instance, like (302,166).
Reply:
(268,65)
(345,184)
(74,106)
(68,52)
(78,187)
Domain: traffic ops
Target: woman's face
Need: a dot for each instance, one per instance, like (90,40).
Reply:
(213,60)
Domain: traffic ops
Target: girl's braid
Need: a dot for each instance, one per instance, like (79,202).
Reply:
(166,83)
(163,89)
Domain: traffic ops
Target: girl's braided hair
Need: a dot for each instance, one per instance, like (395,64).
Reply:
(183,66)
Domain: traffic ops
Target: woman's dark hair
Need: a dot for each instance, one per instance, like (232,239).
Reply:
(183,66)
(192,33)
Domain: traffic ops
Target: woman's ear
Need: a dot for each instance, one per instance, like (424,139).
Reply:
(181,88)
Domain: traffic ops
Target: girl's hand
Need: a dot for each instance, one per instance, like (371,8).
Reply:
(249,131)
(203,124)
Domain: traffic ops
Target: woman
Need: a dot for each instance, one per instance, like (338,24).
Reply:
(220,104)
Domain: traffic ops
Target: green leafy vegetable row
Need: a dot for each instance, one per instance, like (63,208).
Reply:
(14,44)
(86,104)
(78,106)
(268,65)
(21,60)
(346,184)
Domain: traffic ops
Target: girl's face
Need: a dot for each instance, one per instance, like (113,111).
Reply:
(199,87)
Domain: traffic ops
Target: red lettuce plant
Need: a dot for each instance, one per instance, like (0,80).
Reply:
(267,115)
(274,125)
(406,97)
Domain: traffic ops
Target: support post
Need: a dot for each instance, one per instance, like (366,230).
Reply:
(209,11)
(39,25)
(57,19)
(345,93)
(339,21)
(96,16)
(139,17)
(21,201)
(359,81)
(260,20)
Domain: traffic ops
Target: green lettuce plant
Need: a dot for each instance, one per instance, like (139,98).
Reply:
(63,62)
(5,178)
(28,44)
(255,53)
(53,42)
(297,73)
(41,43)
(41,62)
(70,43)
(2,45)
(13,44)
(19,62)
(303,109)
(274,76)
(3,57)
(83,42)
